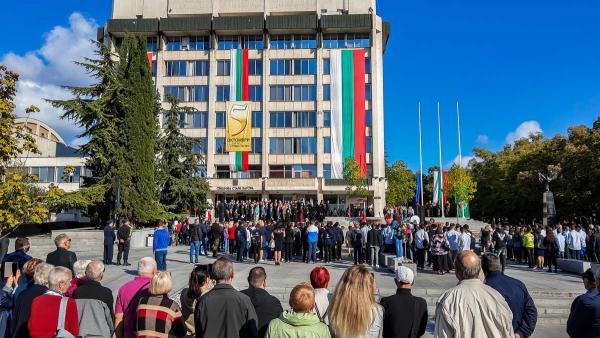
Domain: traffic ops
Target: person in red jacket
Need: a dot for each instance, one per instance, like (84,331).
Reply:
(43,319)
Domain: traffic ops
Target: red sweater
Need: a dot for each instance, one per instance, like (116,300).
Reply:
(43,319)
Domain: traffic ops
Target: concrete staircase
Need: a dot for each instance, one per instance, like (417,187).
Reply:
(474,225)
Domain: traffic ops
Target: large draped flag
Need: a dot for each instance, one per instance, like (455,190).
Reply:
(436,187)
(348,122)
(238,91)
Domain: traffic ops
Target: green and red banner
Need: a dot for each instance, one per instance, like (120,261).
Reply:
(239,91)
(348,120)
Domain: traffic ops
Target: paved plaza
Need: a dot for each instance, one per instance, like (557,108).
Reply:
(281,279)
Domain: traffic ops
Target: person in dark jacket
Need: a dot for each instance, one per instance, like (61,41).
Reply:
(224,312)
(514,292)
(583,319)
(124,238)
(92,289)
(195,241)
(22,304)
(339,241)
(404,315)
(109,241)
(62,256)
(19,256)
(266,306)
(241,238)
(374,241)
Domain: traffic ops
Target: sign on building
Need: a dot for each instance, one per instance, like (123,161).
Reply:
(239,126)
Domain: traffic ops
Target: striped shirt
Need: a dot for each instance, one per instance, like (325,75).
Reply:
(159,316)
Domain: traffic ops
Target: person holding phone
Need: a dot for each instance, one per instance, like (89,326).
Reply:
(19,256)
(6,298)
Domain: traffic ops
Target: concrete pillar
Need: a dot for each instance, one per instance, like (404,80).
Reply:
(212,119)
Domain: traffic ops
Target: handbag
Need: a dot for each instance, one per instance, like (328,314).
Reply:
(272,244)
(61,332)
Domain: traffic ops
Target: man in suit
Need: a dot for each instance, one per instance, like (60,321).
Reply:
(62,256)
(109,242)
(266,306)
(124,237)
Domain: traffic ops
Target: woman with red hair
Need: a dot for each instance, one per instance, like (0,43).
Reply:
(319,279)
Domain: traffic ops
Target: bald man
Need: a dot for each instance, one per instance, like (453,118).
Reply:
(472,309)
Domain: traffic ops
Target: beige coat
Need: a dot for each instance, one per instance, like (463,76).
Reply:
(472,309)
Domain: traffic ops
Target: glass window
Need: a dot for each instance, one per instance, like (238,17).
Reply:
(327,171)
(367,65)
(368,93)
(200,94)
(255,67)
(174,43)
(119,42)
(199,43)
(305,119)
(281,92)
(201,171)
(253,42)
(200,119)
(304,171)
(257,145)
(222,171)
(326,92)
(305,67)
(154,68)
(305,41)
(255,92)
(176,68)
(220,145)
(326,66)
(327,145)
(369,144)
(228,42)
(222,93)
(293,145)
(358,40)
(369,117)
(336,40)
(281,67)
(280,42)
(257,117)
(201,68)
(327,118)
(221,119)
(152,43)
(177,91)
(200,146)
(305,93)
(223,67)
(182,120)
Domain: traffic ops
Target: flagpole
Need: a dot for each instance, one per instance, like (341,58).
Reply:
(459,154)
(440,152)
(420,158)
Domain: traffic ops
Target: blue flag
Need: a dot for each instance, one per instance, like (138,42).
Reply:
(418,190)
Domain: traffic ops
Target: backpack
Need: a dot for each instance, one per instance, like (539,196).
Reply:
(356,238)
(61,332)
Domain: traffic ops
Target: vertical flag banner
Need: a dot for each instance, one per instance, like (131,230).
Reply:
(418,190)
(150,55)
(436,188)
(238,91)
(348,117)
(445,187)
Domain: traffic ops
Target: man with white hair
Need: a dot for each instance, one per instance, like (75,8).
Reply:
(62,256)
(129,296)
(43,319)
(584,319)
(22,305)
(79,279)
(92,289)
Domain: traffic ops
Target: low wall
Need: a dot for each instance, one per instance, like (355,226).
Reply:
(138,238)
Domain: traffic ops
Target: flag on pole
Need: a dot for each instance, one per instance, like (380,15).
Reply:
(445,187)
(348,121)
(465,212)
(418,191)
(238,91)
(436,187)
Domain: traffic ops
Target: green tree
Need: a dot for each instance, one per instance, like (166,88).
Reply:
(181,189)
(460,186)
(401,184)
(357,185)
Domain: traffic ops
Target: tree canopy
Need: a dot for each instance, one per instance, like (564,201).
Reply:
(401,184)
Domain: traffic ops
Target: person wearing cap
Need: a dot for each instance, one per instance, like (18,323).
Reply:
(584,319)
(109,241)
(404,315)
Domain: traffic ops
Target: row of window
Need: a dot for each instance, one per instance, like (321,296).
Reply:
(255,92)
(277,119)
(220,146)
(287,41)
(255,67)
(187,93)
(280,171)
(54,174)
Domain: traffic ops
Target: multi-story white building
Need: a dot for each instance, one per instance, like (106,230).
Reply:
(289,44)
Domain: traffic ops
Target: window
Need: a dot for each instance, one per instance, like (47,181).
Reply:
(182,122)
(199,43)
(257,117)
(305,67)
(288,119)
(199,94)
(368,93)
(221,119)
(255,67)
(255,92)
(305,93)
(327,171)
(119,42)
(326,92)
(44,174)
(200,119)
(253,42)
(281,67)
(257,145)
(201,68)
(281,93)
(62,178)
(174,44)
(201,171)
(334,40)
(369,144)
(369,117)
(327,145)
(327,118)
(305,41)
(154,68)
(367,65)
(228,42)
(326,66)
(176,68)
(281,42)
(222,93)
(200,146)
(220,145)
(223,67)
(152,43)
(358,40)
(293,171)
(222,171)
(293,145)
(177,91)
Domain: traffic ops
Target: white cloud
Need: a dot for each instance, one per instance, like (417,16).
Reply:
(482,139)
(465,161)
(43,71)
(524,130)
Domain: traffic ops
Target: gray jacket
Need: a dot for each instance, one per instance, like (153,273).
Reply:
(94,319)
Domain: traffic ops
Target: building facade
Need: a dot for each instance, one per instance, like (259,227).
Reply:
(289,44)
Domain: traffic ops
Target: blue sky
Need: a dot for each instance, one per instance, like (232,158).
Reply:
(515,66)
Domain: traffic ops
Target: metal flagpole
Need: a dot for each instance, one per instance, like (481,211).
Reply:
(421,158)
(441,166)
(459,154)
